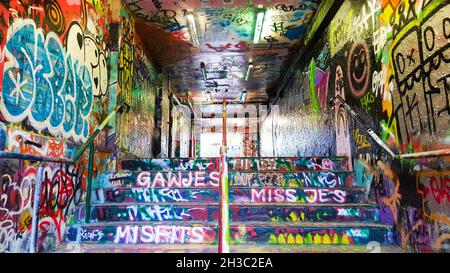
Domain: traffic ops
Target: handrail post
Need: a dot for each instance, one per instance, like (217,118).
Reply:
(224,204)
(36,204)
(87,212)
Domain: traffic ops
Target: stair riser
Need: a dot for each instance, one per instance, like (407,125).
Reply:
(183,164)
(237,164)
(201,179)
(162,213)
(135,234)
(236,195)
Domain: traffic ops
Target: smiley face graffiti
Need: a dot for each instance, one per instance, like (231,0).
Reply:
(358,68)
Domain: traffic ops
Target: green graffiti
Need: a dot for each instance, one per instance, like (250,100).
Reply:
(312,87)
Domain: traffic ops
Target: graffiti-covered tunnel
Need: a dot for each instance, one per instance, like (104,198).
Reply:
(224,126)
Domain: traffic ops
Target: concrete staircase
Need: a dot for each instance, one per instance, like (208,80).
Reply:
(273,201)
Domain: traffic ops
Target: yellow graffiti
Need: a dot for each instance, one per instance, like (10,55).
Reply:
(335,239)
(316,239)
(326,239)
(345,240)
(294,217)
(290,239)
(360,140)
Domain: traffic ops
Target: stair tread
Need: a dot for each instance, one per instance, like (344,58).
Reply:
(240,223)
(91,247)
(234,171)
(237,204)
(238,187)
(242,157)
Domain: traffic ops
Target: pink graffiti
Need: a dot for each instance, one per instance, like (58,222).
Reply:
(16,200)
(273,195)
(193,179)
(325,196)
(325,165)
(163,234)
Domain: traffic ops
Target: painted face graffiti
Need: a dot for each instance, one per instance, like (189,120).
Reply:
(358,68)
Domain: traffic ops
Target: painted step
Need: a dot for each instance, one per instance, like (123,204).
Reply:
(203,179)
(210,212)
(170,164)
(249,233)
(236,195)
(262,164)
(238,164)
(71,247)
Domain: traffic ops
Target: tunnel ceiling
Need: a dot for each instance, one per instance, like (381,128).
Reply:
(224,43)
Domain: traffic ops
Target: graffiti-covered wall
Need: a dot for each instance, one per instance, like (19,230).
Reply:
(301,124)
(54,74)
(181,131)
(165,119)
(391,59)
(138,82)
(63,67)
(389,62)
(54,70)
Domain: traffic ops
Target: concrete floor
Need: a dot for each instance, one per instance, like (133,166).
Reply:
(193,248)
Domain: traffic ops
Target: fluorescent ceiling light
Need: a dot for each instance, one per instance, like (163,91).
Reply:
(250,66)
(259,26)
(193,29)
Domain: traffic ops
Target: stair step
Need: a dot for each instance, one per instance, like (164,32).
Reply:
(245,233)
(89,247)
(202,179)
(237,164)
(242,212)
(236,195)
(170,164)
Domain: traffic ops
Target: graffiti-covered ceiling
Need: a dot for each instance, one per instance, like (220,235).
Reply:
(222,48)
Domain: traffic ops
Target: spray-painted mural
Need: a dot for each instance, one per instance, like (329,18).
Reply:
(137,80)
(54,92)
(301,124)
(221,34)
(388,63)
(58,79)
(54,66)
(62,195)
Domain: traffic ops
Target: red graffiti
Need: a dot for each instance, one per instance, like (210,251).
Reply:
(219,48)
(439,188)
(241,46)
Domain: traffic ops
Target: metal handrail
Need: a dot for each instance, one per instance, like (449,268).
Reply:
(435,153)
(38,186)
(74,159)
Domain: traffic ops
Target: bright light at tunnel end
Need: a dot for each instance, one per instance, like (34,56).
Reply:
(244,96)
(259,25)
